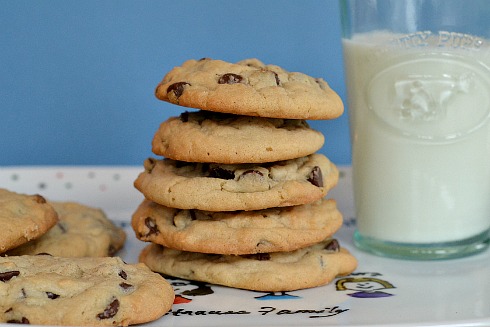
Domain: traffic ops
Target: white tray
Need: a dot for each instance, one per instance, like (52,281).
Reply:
(400,293)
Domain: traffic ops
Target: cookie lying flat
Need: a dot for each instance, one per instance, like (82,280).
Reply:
(249,88)
(23,218)
(309,267)
(50,290)
(238,232)
(214,187)
(81,231)
(211,137)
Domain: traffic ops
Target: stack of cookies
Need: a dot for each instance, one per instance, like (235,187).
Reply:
(238,198)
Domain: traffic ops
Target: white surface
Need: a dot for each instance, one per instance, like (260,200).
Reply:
(442,293)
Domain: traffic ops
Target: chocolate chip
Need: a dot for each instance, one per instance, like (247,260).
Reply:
(278,81)
(125,286)
(184,117)
(177,88)
(6,276)
(123,275)
(230,79)
(52,296)
(111,251)
(152,226)
(23,320)
(39,199)
(218,172)
(258,256)
(333,245)
(149,164)
(110,311)
(316,177)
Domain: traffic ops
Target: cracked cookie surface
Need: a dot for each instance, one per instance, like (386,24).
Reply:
(23,218)
(250,88)
(48,290)
(212,137)
(81,231)
(217,187)
(237,232)
(312,266)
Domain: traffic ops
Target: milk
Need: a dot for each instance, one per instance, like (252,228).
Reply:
(420,135)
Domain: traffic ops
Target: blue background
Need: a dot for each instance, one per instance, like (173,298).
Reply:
(77,77)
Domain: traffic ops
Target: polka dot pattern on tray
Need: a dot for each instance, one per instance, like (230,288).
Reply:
(95,186)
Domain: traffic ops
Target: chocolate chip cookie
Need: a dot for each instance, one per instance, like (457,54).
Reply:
(81,231)
(46,290)
(250,88)
(23,218)
(237,232)
(213,137)
(309,267)
(218,187)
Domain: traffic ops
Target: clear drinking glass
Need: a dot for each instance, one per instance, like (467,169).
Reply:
(418,84)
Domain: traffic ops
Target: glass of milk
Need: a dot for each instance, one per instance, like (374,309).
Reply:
(418,84)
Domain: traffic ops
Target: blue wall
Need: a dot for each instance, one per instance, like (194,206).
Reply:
(77,77)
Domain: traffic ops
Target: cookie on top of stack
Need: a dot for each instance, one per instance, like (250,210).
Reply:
(238,198)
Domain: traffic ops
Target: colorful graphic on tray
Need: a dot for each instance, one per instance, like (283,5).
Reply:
(364,285)
(186,290)
(277,296)
(357,285)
